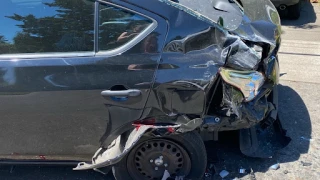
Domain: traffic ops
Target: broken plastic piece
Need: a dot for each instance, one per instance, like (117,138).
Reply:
(105,157)
(306,163)
(166,175)
(207,175)
(307,139)
(244,171)
(209,171)
(275,166)
(224,173)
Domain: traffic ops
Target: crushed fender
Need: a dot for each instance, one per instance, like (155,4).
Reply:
(118,148)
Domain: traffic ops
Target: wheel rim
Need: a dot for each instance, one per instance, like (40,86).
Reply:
(151,158)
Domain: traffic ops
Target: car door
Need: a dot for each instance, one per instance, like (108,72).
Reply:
(69,71)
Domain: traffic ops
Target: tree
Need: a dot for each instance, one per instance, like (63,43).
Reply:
(70,29)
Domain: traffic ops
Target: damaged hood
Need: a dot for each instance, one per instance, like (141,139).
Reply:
(253,20)
(260,23)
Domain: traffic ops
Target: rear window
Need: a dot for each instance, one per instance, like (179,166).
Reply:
(119,26)
(39,26)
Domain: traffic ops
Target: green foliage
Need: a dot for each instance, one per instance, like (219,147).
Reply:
(71,29)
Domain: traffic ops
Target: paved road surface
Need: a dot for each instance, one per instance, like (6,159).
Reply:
(299,103)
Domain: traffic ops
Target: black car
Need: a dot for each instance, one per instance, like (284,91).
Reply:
(137,84)
(288,8)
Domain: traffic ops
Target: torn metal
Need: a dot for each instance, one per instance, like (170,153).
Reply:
(119,147)
(236,42)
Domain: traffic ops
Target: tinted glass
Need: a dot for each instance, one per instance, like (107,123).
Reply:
(38,26)
(118,26)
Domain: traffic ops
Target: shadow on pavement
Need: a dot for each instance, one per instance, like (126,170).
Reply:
(47,173)
(308,15)
(226,155)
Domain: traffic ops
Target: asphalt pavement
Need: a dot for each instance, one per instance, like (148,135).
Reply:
(299,111)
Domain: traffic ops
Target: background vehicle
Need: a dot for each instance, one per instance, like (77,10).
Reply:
(288,8)
(135,83)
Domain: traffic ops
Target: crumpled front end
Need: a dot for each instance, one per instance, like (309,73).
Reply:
(246,41)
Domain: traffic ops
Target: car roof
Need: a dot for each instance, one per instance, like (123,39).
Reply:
(204,10)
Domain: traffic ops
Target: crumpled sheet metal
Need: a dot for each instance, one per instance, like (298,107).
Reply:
(260,21)
(243,57)
(252,112)
(116,151)
(210,11)
(195,8)
(221,48)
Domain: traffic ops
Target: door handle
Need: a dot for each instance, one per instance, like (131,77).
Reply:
(129,92)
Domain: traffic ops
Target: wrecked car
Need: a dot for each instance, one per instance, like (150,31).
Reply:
(137,85)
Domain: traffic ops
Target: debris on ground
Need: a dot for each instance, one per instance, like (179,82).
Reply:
(307,139)
(209,171)
(275,166)
(166,175)
(224,173)
(285,172)
(244,171)
(306,163)
(12,169)
(252,176)
(207,175)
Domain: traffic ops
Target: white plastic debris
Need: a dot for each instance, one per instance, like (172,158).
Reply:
(242,171)
(307,139)
(275,166)
(224,173)
(166,175)
(245,171)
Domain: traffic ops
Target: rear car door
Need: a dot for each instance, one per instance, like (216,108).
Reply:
(69,71)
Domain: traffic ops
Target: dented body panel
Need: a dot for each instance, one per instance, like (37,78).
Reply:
(202,38)
(176,74)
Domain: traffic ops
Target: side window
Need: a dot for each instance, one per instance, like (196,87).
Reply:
(42,26)
(118,26)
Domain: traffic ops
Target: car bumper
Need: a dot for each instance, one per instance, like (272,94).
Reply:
(237,114)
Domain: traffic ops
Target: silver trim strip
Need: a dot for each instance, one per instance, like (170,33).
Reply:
(45,55)
(96,26)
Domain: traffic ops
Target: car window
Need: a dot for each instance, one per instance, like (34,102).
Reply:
(42,26)
(119,26)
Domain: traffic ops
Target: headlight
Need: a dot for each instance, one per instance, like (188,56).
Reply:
(249,82)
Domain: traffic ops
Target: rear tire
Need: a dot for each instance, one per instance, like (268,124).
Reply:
(190,145)
(294,11)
